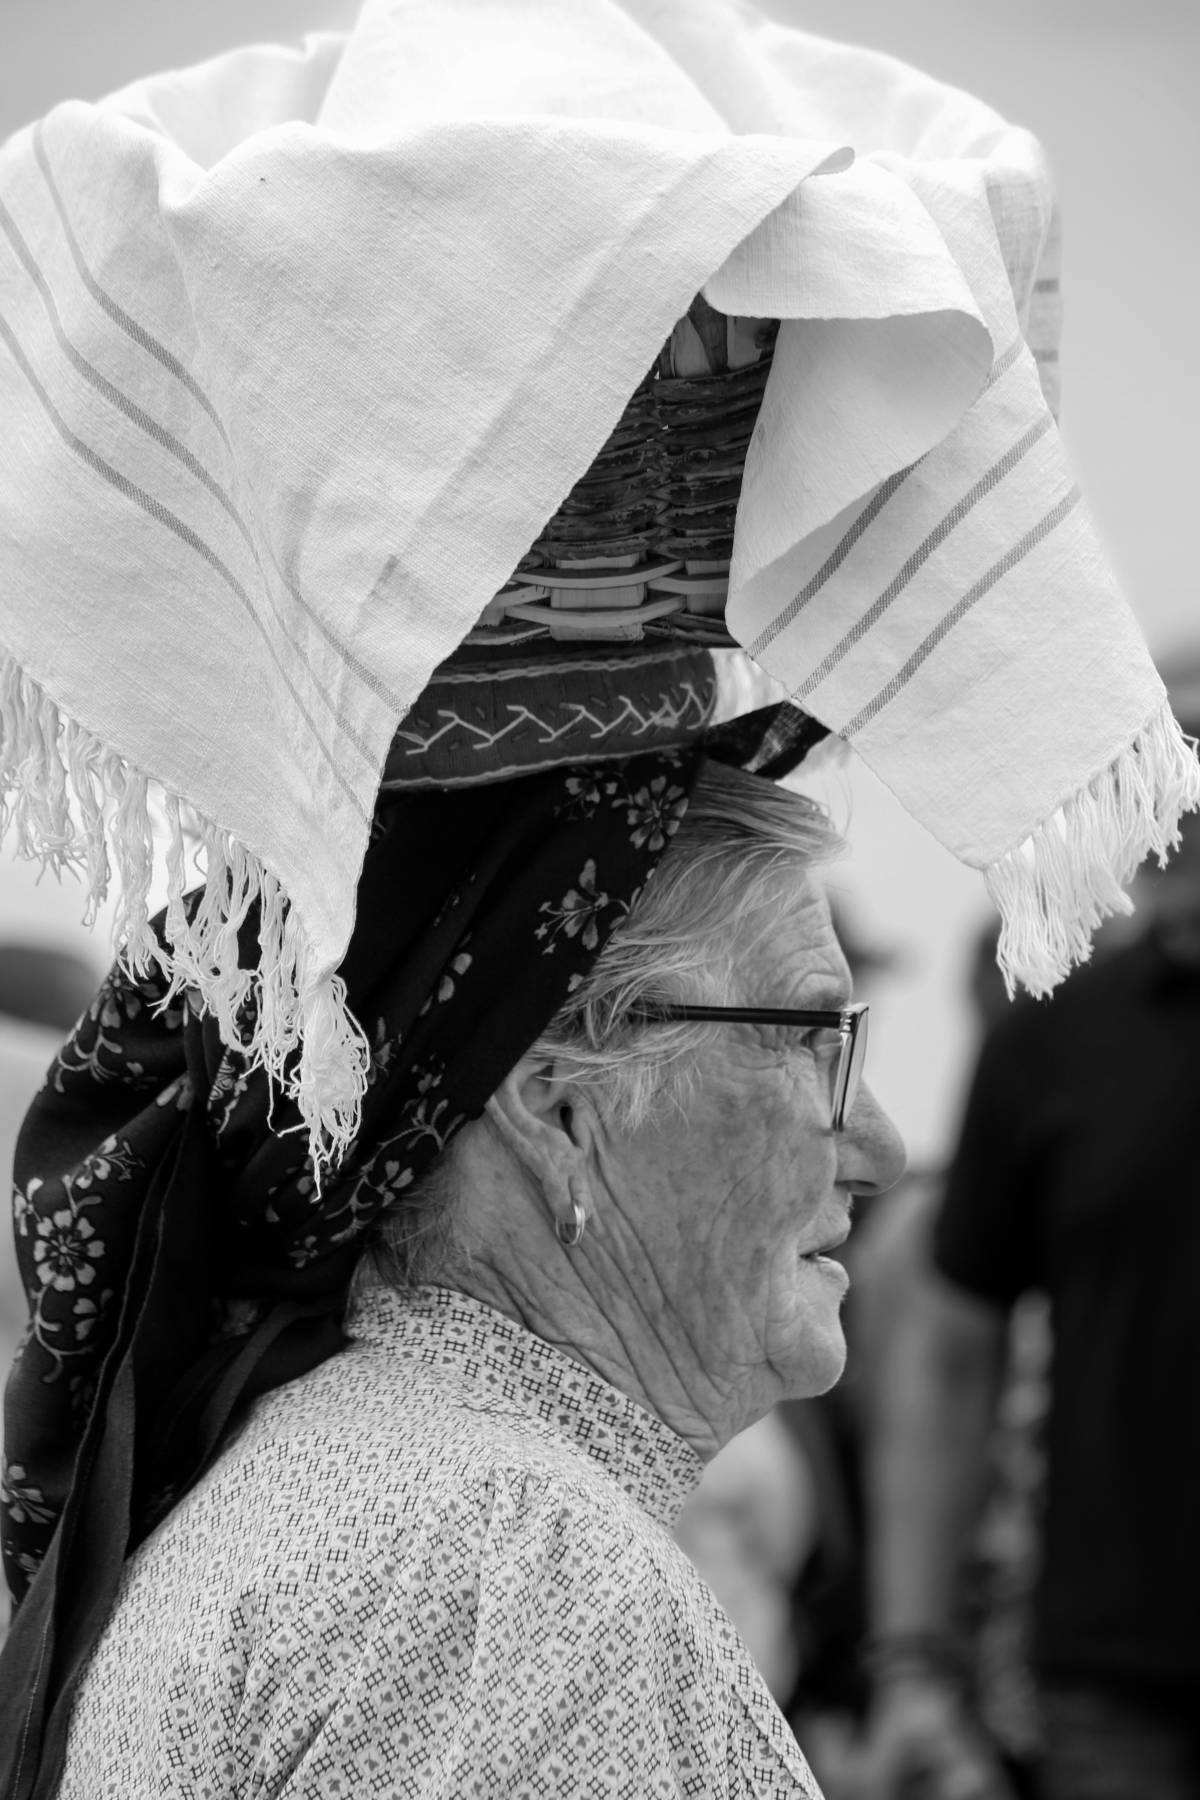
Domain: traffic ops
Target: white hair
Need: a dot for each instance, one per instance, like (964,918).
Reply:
(718,892)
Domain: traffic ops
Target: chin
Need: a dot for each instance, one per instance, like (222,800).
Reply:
(814,1360)
(813,1356)
(822,1372)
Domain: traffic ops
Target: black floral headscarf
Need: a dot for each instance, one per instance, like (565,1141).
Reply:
(175,1249)
(177,1253)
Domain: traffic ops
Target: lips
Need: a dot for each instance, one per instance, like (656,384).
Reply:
(829,1244)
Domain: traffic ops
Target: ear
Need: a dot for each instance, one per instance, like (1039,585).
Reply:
(549,1129)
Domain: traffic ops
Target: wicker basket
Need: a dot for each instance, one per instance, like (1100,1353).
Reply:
(641,545)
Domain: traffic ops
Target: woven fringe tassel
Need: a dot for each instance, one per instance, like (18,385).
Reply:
(73,804)
(1055,888)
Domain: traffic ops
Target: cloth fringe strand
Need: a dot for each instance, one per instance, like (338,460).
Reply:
(1055,888)
(72,804)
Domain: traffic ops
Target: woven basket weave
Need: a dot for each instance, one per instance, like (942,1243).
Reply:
(641,545)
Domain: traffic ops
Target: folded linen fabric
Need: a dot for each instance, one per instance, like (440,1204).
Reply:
(300,349)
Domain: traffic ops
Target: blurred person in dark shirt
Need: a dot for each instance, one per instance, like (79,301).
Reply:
(1077,1175)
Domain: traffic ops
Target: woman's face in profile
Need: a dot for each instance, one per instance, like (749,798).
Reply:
(732,1197)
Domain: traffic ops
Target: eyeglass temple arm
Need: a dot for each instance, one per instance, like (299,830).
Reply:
(839,1018)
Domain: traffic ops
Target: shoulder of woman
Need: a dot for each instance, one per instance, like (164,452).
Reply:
(558,1535)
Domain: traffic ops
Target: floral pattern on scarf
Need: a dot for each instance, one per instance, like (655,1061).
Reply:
(460,957)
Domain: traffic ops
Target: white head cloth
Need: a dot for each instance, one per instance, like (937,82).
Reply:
(299,349)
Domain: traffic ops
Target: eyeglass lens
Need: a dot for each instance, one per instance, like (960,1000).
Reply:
(855,1057)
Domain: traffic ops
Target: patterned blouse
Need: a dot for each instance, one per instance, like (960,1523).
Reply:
(439,1565)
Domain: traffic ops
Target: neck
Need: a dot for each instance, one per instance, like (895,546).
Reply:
(583,1302)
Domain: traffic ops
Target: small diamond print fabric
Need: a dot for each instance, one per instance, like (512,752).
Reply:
(438,1566)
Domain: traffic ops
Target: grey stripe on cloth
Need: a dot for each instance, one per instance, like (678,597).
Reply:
(1049,284)
(865,519)
(832,563)
(1004,363)
(959,610)
(166,438)
(132,411)
(163,516)
(117,313)
(936,538)
(375,683)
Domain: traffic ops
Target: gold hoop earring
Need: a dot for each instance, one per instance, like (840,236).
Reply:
(570,1235)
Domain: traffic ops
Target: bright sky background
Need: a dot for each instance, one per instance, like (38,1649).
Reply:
(1110,89)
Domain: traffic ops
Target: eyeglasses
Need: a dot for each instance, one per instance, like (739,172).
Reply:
(839,1039)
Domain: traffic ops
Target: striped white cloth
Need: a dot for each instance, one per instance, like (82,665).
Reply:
(300,348)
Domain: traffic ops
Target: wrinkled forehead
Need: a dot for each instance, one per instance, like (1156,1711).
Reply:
(795,959)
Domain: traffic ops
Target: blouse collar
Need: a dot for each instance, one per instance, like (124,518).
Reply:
(520,1372)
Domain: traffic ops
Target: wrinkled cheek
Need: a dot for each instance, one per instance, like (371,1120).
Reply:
(758,1265)
(805,1182)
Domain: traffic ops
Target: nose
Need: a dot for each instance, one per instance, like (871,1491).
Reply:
(871,1153)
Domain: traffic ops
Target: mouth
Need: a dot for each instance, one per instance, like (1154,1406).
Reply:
(822,1250)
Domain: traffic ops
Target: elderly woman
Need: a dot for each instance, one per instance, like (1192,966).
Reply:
(380,411)
(440,1563)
